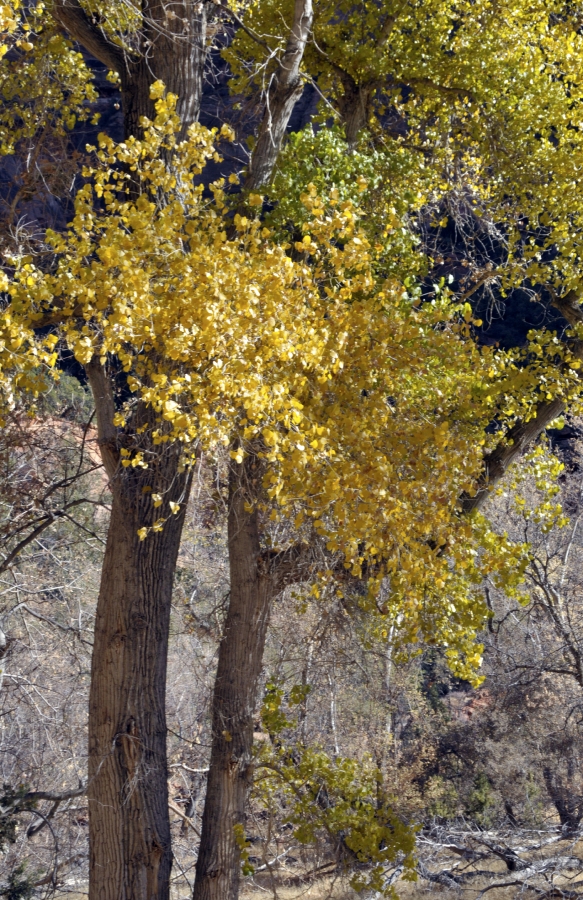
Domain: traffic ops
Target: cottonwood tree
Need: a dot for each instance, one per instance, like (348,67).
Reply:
(153,281)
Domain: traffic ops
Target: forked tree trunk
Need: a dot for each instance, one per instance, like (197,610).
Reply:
(235,697)
(170,46)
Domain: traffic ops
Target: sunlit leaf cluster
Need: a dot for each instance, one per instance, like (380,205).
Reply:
(369,409)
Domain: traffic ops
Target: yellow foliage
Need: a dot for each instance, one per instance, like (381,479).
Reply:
(369,411)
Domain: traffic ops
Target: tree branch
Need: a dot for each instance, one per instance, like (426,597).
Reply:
(72,17)
(105,410)
(515,442)
(523,434)
(282,99)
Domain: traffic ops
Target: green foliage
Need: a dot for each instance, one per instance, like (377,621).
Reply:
(480,800)
(384,183)
(342,798)
(243,844)
(441,797)
(20,885)
(488,95)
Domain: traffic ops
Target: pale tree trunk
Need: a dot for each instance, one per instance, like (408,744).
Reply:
(235,695)
(130,852)
(281,99)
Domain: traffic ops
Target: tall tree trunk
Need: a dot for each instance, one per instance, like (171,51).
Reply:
(255,577)
(235,695)
(131,855)
(129,828)
(130,852)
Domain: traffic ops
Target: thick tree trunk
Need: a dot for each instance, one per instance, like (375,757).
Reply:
(235,696)
(129,828)
(131,855)
(174,50)
(171,46)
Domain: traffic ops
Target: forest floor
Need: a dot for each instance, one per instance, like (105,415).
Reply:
(504,885)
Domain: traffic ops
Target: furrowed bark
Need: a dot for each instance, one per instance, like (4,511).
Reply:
(354,108)
(256,579)
(130,852)
(129,830)
(281,99)
(235,696)
(171,47)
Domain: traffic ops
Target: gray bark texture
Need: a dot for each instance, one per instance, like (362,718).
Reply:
(285,92)
(235,695)
(129,828)
(130,852)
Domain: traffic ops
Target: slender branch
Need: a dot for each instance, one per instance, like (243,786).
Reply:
(44,523)
(33,796)
(248,31)
(483,279)
(184,817)
(50,877)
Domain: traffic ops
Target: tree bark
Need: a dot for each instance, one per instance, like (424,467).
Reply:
(496,463)
(129,829)
(235,695)
(171,46)
(256,577)
(281,100)
(130,852)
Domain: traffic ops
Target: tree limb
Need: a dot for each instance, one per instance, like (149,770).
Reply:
(72,17)
(523,433)
(102,392)
(281,99)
